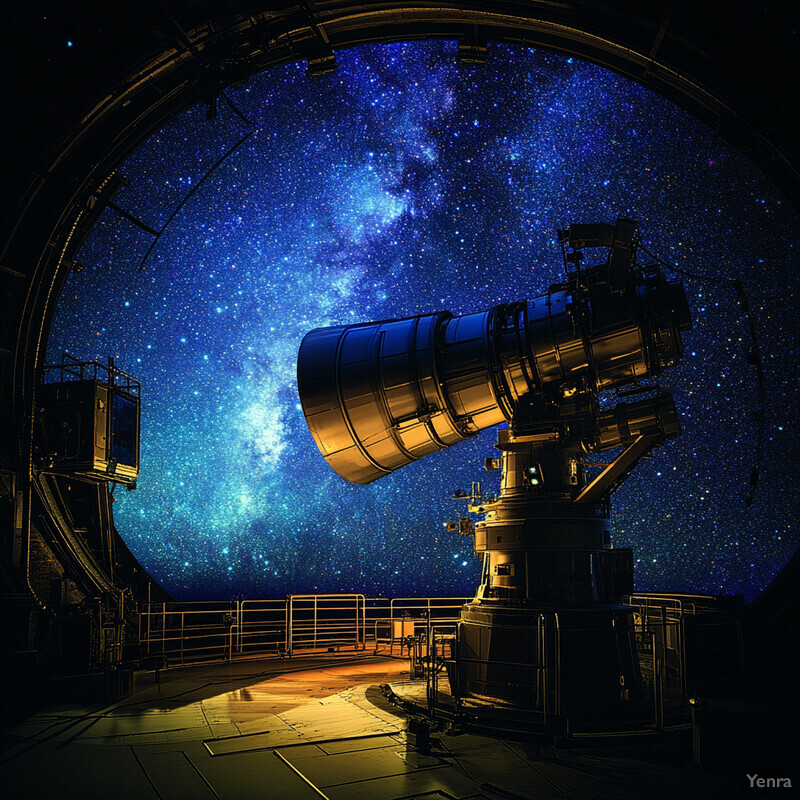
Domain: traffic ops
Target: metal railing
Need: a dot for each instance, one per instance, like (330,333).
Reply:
(660,623)
(204,631)
(414,617)
(660,642)
(329,621)
(444,657)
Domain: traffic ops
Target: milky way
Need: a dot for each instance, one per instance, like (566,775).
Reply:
(405,183)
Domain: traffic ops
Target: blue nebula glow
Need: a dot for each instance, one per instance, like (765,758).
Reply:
(405,183)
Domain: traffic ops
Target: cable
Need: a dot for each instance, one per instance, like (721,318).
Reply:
(233,107)
(753,358)
(229,152)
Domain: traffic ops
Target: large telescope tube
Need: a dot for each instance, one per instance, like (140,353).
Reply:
(378,396)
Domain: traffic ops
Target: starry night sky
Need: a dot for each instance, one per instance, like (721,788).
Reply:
(405,183)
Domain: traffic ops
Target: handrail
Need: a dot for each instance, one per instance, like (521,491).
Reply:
(196,632)
(352,629)
(199,631)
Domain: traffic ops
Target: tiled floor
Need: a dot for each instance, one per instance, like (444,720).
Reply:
(303,729)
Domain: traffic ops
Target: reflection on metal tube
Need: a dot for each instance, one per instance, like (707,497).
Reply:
(378,396)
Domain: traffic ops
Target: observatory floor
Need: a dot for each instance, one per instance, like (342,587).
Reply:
(303,729)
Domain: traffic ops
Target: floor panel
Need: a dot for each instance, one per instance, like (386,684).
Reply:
(318,729)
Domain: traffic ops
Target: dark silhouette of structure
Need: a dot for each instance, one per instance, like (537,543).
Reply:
(72,593)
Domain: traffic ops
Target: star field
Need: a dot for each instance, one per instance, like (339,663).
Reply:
(404,183)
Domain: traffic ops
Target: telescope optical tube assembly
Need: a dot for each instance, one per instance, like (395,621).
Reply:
(380,395)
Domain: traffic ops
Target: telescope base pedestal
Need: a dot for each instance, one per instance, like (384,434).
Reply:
(561,662)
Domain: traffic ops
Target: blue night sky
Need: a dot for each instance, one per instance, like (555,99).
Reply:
(406,183)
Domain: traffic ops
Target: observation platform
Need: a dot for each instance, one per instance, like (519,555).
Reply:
(310,727)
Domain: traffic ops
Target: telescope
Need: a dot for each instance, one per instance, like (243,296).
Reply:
(378,396)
